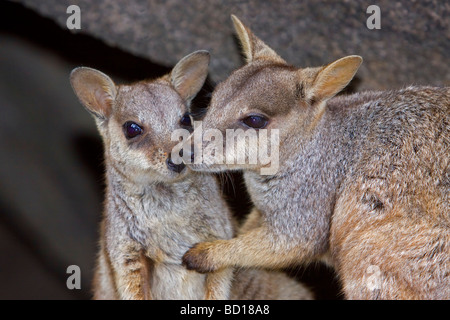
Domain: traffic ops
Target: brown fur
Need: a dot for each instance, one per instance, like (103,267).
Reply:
(364,180)
(153,214)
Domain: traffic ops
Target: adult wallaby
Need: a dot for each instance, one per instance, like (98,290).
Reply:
(363,180)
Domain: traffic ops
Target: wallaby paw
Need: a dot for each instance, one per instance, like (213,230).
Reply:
(197,258)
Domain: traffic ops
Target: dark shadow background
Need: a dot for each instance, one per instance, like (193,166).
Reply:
(51,161)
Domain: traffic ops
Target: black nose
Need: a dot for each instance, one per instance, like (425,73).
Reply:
(175,167)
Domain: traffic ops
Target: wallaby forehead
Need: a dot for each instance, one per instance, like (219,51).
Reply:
(258,87)
(148,102)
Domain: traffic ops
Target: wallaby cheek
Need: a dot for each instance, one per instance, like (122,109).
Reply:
(154,158)
(116,153)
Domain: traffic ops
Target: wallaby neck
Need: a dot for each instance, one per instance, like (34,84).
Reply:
(311,169)
(155,194)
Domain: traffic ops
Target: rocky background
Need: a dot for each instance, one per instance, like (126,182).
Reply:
(412,46)
(50,153)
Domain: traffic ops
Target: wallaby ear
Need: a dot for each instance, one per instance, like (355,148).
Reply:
(189,74)
(333,78)
(95,90)
(253,47)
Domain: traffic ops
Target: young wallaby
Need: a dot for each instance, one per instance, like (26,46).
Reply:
(363,180)
(155,209)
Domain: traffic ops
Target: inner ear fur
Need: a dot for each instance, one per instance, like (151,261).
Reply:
(95,90)
(253,48)
(325,82)
(189,74)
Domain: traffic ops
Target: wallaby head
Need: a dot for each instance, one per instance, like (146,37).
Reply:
(136,120)
(268,93)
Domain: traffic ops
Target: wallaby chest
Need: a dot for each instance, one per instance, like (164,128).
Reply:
(168,219)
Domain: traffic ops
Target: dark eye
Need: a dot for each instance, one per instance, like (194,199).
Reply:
(186,120)
(132,129)
(257,122)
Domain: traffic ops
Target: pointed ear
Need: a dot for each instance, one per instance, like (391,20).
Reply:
(331,79)
(189,74)
(253,47)
(95,90)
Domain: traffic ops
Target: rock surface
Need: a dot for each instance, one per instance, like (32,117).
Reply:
(412,46)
